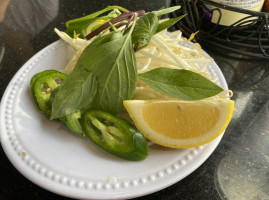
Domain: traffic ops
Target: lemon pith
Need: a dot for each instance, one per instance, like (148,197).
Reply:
(180,124)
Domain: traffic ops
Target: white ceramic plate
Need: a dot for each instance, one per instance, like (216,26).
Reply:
(52,157)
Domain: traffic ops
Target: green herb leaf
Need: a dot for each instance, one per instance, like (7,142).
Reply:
(168,23)
(76,92)
(90,55)
(166,10)
(144,29)
(181,84)
(112,60)
(80,24)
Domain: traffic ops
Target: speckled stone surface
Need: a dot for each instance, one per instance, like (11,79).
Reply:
(238,168)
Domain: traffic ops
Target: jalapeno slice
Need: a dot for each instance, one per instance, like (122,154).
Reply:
(114,135)
(72,122)
(42,86)
(38,75)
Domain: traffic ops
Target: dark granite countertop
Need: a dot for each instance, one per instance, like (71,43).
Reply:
(237,169)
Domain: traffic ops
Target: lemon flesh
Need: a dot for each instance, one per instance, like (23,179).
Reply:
(180,124)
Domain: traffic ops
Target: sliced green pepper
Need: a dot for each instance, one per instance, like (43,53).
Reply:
(38,75)
(114,135)
(42,84)
(72,122)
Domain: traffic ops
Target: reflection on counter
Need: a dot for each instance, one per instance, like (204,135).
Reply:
(244,172)
(20,21)
(27,16)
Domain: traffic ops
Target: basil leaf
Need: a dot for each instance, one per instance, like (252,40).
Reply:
(76,92)
(112,60)
(168,23)
(166,10)
(144,29)
(80,24)
(91,49)
(181,84)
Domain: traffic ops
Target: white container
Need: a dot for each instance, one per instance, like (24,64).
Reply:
(230,17)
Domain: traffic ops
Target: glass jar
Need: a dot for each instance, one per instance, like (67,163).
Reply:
(229,17)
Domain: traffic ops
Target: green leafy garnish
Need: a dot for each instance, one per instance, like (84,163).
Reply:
(145,28)
(166,10)
(76,92)
(110,59)
(166,24)
(181,84)
(116,71)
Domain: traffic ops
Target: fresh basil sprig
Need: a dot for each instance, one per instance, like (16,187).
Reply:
(110,59)
(114,65)
(181,84)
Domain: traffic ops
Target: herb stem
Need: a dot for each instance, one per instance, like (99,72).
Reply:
(129,21)
(113,27)
(133,25)
(115,20)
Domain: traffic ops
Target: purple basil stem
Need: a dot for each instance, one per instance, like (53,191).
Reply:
(115,20)
(129,21)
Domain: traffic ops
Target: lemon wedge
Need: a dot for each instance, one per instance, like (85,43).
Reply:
(178,123)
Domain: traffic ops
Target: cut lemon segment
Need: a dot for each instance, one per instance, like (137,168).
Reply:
(180,124)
